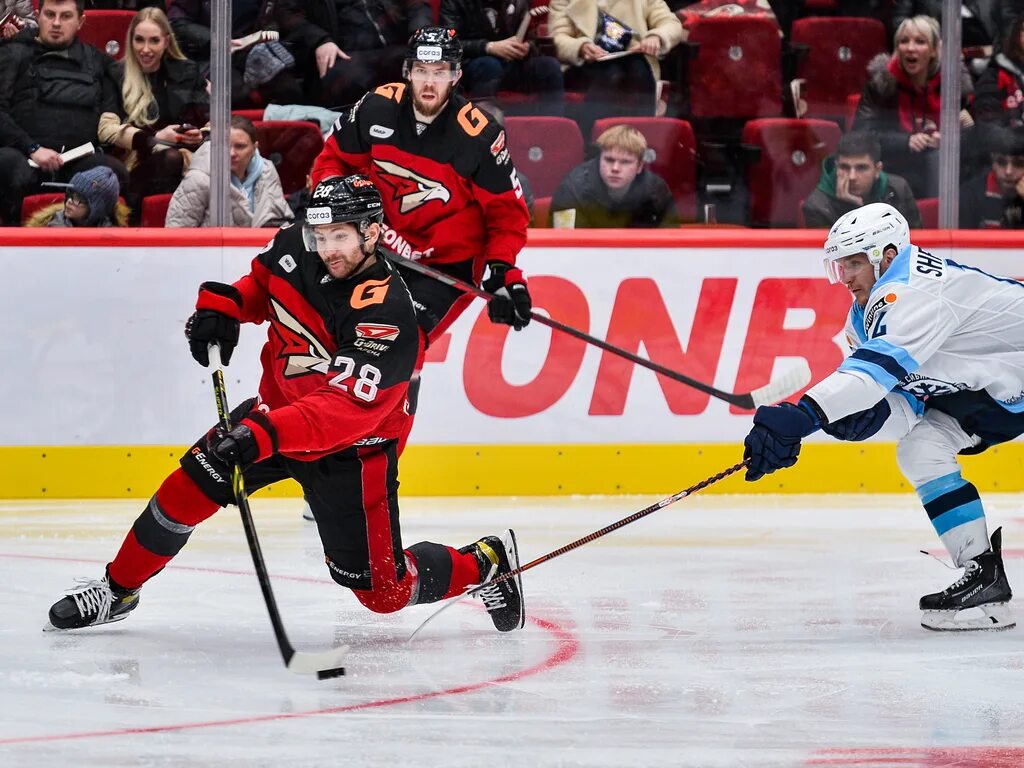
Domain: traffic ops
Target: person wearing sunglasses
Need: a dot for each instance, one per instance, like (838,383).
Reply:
(91,199)
(995,199)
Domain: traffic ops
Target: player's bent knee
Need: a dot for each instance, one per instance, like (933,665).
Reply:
(383,601)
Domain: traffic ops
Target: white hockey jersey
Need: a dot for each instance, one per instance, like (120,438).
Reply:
(931,327)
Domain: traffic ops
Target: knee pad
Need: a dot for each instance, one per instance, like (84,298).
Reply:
(930,449)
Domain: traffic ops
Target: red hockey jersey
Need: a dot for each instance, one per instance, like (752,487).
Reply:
(450,194)
(339,353)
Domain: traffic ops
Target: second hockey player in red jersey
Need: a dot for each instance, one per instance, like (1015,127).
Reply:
(451,194)
(341,348)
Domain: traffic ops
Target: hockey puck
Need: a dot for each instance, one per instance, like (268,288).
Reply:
(327,674)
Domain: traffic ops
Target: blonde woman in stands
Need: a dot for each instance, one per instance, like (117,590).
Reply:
(164,104)
(900,104)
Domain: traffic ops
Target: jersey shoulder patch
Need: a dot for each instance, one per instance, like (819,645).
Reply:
(391,91)
(925,265)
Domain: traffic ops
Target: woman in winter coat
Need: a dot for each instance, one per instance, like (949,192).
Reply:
(165,104)
(900,104)
(257,199)
(587,31)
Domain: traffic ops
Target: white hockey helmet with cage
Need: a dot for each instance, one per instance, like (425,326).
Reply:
(869,230)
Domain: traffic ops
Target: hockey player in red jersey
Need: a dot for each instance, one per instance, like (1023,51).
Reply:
(451,194)
(341,348)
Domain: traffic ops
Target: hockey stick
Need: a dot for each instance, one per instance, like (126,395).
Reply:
(772,392)
(586,539)
(325,664)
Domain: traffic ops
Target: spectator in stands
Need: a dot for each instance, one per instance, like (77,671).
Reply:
(980,19)
(90,200)
(494,58)
(53,89)
(996,199)
(260,74)
(344,49)
(19,15)
(1000,93)
(614,189)
(854,177)
(900,104)
(257,199)
(165,103)
(590,36)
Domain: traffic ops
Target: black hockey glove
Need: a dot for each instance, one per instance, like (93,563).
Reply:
(511,304)
(860,425)
(774,441)
(216,320)
(238,446)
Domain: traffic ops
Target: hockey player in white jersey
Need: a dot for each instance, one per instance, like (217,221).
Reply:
(937,361)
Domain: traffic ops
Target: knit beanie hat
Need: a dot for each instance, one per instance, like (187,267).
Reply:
(100,188)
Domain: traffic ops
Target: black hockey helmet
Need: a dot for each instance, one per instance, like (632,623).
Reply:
(337,199)
(434,44)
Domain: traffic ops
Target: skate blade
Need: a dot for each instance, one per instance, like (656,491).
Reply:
(512,550)
(48,627)
(997,616)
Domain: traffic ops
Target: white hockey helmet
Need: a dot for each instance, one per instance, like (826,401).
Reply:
(869,229)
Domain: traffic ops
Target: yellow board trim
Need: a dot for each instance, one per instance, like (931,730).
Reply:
(75,472)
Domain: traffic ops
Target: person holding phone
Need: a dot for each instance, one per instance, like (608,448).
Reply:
(16,15)
(164,99)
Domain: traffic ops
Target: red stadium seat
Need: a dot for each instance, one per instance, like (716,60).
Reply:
(672,151)
(838,52)
(541,213)
(292,146)
(544,150)
(789,166)
(33,203)
(736,68)
(154,209)
(251,114)
(929,209)
(106,31)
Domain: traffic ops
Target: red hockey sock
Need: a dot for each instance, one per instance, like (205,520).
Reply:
(161,530)
(465,571)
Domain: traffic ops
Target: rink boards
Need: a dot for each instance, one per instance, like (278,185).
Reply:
(100,394)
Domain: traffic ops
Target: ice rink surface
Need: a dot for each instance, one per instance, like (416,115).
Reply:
(720,631)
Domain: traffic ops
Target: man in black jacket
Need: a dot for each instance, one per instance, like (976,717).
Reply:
(494,57)
(995,199)
(614,189)
(854,177)
(53,89)
(344,49)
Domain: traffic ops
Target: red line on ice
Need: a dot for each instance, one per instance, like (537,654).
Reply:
(567,648)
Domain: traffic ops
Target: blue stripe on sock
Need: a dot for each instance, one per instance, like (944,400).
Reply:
(939,486)
(947,521)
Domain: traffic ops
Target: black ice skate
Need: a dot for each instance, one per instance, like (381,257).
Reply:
(94,602)
(983,585)
(504,600)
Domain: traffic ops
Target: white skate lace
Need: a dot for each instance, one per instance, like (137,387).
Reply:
(969,570)
(493,597)
(92,596)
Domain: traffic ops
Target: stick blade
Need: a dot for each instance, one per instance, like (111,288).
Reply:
(789,383)
(325,664)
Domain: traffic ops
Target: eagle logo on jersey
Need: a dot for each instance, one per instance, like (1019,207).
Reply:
(301,350)
(410,189)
